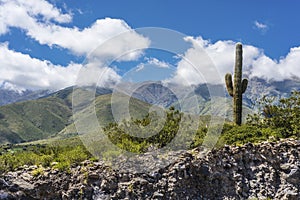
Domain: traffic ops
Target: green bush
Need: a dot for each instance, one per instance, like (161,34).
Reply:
(65,155)
(38,171)
(282,114)
(62,166)
(118,133)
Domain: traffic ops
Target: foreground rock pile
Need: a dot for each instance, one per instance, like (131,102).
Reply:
(268,170)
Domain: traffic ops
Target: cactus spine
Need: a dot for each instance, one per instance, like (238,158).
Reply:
(238,87)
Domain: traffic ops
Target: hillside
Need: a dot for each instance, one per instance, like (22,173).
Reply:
(33,120)
(104,114)
(48,116)
(8,96)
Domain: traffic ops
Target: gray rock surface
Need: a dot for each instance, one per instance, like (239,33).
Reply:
(267,170)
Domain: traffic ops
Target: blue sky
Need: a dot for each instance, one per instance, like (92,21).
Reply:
(214,20)
(36,35)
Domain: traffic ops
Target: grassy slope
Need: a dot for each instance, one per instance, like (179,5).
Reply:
(51,116)
(104,114)
(33,120)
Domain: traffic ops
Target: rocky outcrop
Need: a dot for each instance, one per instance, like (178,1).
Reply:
(267,170)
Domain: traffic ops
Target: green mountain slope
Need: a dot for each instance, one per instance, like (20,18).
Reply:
(52,116)
(137,109)
(33,120)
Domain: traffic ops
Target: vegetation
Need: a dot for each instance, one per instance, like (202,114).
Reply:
(33,120)
(239,86)
(51,116)
(275,119)
(281,115)
(166,132)
(59,155)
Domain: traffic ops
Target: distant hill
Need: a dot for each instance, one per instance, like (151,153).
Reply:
(50,114)
(33,120)
(11,96)
(46,117)
(258,87)
(137,109)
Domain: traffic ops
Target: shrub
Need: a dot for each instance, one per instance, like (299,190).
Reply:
(283,114)
(38,171)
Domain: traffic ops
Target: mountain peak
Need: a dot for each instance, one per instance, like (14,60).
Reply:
(5,85)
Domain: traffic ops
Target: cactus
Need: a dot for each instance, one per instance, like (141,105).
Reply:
(237,88)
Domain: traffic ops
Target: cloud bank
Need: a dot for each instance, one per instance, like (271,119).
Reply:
(37,18)
(45,23)
(222,58)
(26,72)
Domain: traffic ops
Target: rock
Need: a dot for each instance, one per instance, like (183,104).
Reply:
(26,176)
(267,170)
(5,195)
(291,195)
(108,185)
(204,170)
(92,178)
(3,183)
(294,176)
(157,195)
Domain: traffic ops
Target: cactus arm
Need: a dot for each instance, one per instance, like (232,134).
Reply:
(244,85)
(229,85)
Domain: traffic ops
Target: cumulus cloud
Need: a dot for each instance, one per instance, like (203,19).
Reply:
(116,41)
(37,17)
(107,39)
(23,13)
(97,73)
(208,62)
(44,23)
(23,71)
(285,68)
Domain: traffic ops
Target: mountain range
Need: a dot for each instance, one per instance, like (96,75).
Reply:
(35,115)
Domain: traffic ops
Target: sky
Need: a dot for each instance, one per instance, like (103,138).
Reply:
(44,44)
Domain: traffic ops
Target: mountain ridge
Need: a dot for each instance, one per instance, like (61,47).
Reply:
(51,114)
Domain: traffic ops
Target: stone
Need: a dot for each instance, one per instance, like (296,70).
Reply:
(294,176)
(158,195)
(258,171)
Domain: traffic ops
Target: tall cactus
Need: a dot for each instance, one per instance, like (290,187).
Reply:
(237,88)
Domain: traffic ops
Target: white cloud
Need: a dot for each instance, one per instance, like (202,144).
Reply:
(24,14)
(285,68)
(214,60)
(37,17)
(97,73)
(263,28)
(158,63)
(140,67)
(24,71)
(260,25)
(114,39)
(154,62)
(43,22)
